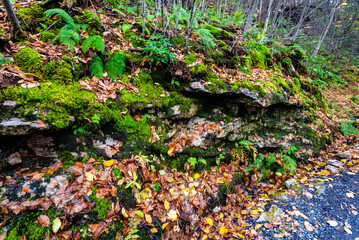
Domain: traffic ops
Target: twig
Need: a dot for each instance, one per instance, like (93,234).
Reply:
(24,21)
(51,25)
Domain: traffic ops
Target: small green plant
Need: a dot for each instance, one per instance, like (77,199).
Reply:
(206,38)
(157,50)
(4,60)
(219,159)
(114,66)
(96,42)
(347,128)
(68,33)
(96,66)
(194,161)
(174,82)
(78,129)
(133,184)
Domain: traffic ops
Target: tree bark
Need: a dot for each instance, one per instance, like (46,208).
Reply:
(249,19)
(267,20)
(301,20)
(322,37)
(10,12)
(274,19)
(193,13)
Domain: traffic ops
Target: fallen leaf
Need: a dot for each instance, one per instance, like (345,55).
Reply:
(308,195)
(348,230)
(44,220)
(167,205)
(209,221)
(124,213)
(56,225)
(89,176)
(148,218)
(37,176)
(196,176)
(223,229)
(308,226)
(332,223)
(108,163)
(172,214)
(154,230)
(164,225)
(349,195)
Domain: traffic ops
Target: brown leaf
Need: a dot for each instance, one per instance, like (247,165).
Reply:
(37,176)
(44,221)
(3,235)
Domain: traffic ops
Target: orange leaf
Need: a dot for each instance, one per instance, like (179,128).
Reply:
(44,220)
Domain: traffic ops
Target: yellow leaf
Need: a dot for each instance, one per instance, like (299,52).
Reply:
(205,237)
(148,218)
(170,151)
(56,225)
(154,230)
(172,214)
(124,213)
(223,229)
(167,205)
(164,225)
(89,176)
(207,229)
(255,212)
(108,163)
(344,4)
(196,176)
(170,179)
(209,221)
(258,226)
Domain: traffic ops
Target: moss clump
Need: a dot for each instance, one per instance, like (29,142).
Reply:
(178,41)
(259,59)
(190,58)
(48,36)
(58,103)
(217,32)
(250,86)
(247,61)
(58,72)
(199,70)
(33,17)
(102,207)
(29,61)
(216,85)
(55,71)
(90,18)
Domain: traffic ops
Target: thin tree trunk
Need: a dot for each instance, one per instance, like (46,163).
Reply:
(274,19)
(249,19)
(301,20)
(162,17)
(193,13)
(10,12)
(267,20)
(143,17)
(332,13)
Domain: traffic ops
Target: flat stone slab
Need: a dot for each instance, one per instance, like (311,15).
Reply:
(20,126)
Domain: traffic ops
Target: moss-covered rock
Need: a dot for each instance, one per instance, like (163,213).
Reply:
(30,61)
(48,36)
(32,18)
(199,70)
(95,26)
(190,58)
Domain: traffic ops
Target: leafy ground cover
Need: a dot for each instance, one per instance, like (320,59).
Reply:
(91,70)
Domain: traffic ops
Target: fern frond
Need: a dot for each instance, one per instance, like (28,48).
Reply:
(115,65)
(96,42)
(62,14)
(206,38)
(96,67)
(119,12)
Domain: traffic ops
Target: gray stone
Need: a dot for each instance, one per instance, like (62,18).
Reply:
(19,126)
(100,146)
(291,184)
(9,104)
(14,158)
(342,155)
(273,213)
(331,168)
(279,196)
(335,163)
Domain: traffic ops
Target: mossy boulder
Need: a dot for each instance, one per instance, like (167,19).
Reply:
(218,33)
(190,58)
(95,26)
(30,61)
(48,36)
(32,18)
(199,70)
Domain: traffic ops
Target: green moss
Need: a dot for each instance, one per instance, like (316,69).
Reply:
(190,58)
(58,72)
(218,54)
(259,59)
(217,32)
(178,41)
(247,61)
(48,36)
(29,61)
(102,207)
(250,86)
(216,85)
(33,17)
(58,103)
(126,27)
(90,18)
(198,70)
(283,83)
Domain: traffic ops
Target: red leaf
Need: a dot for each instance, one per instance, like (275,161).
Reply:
(44,220)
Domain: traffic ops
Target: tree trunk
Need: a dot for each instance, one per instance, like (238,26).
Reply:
(143,18)
(10,12)
(193,13)
(274,19)
(322,37)
(249,19)
(301,20)
(267,20)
